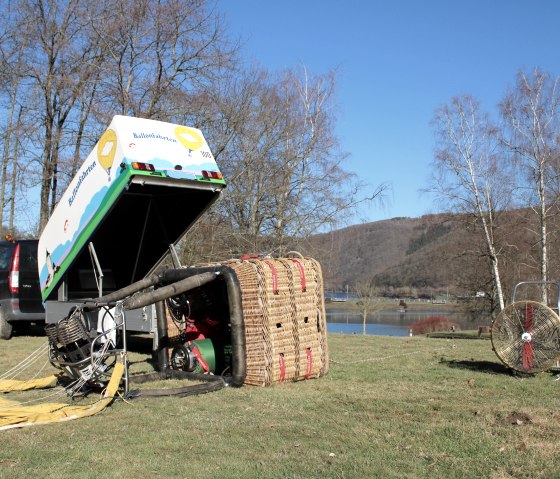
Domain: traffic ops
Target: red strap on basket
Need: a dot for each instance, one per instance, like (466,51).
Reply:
(282,366)
(309,363)
(301,274)
(248,256)
(274,277)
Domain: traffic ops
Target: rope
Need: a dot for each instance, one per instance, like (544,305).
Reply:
(58,392)
(36,375)
(27,362)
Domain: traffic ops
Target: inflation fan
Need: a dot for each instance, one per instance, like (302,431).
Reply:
(526,336)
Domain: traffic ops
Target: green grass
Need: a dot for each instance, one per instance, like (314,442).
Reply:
(389,408)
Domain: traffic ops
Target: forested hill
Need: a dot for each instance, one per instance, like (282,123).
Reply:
(425,254)
(397,252)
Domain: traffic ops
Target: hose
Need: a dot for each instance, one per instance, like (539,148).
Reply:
(165,292)
(211,384)
(177,281)
(123,292)
(162,338)
(239,355)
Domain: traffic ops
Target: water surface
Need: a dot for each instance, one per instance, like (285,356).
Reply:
(388,323)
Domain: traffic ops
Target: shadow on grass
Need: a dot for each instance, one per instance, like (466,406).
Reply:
(488,367)
(141,344)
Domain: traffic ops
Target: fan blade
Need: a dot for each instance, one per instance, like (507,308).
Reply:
(529,318)
(528,355)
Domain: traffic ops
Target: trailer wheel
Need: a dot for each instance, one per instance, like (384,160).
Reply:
(6,329)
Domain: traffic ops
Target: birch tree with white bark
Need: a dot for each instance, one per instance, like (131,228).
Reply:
(469,176)
(531,133)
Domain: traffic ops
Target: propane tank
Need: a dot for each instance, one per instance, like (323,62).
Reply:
(201,356)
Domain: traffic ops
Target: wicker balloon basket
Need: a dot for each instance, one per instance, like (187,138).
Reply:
(284,315)
(284,318)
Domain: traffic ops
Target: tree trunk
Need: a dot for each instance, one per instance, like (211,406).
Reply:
(543,239)
(46,177)
(14,173)
(6,157)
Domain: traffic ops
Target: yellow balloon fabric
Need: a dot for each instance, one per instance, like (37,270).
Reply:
(14,415)
(8,385)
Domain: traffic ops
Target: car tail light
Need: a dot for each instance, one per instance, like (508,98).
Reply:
(211,175)
(13,277)
(143,166)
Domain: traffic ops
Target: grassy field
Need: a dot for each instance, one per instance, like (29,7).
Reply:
(389,408)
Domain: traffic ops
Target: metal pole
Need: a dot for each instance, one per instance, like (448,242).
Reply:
(97,266)
(125,353)
(161,331)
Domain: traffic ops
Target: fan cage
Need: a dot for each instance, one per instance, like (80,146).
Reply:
(526,337)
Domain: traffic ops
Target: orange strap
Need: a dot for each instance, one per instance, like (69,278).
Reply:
(248,256)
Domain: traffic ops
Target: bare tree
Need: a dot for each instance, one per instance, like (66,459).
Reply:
(57,62)
(256,138)
(312,188)
(159,54)
(81,63)
(532,123)
(468,173)
(369,301)
(76,63)
(283,162)
(12,47)
(14,179)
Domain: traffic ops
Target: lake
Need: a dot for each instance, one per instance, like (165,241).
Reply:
(388,323)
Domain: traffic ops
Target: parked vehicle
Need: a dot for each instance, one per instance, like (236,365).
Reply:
(20,295)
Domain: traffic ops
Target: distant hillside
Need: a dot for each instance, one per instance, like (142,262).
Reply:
(434,252)
(396,251)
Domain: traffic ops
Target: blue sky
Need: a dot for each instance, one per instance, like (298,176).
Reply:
(396,62)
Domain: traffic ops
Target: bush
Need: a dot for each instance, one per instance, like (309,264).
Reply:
(433,324)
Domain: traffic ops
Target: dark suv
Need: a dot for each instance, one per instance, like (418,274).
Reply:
(20,295)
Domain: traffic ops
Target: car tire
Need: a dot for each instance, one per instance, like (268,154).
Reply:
(6,329)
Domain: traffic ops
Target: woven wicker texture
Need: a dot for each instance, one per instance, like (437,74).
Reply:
(284,316)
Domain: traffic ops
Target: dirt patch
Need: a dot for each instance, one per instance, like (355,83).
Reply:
(515,419)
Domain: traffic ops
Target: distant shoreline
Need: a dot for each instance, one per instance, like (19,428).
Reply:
(393,305)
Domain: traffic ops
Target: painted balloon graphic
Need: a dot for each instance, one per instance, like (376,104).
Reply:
(188,137)
(106,149)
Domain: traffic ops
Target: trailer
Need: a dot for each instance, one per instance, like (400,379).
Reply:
(139,191)
(144,185)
